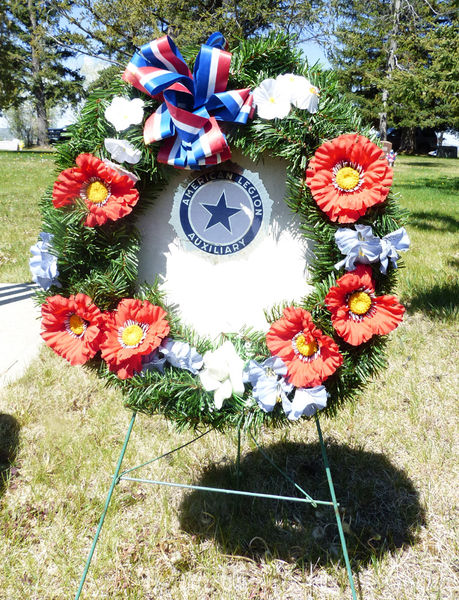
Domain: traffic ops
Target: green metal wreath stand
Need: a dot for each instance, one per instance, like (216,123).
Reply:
(123,476)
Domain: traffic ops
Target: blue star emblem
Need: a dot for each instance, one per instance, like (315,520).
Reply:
(220,213)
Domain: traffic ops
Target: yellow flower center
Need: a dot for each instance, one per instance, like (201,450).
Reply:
(314,90)
(272,100)
(76,325)
(359,303)
(132,335)
(306,348)
(347,178)
(97,192)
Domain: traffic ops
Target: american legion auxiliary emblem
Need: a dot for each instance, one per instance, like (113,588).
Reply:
(221,212)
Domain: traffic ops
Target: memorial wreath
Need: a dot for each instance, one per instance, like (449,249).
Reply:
(263,100)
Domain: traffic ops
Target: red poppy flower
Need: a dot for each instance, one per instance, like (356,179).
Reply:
(310,355)
(107,193)
(72,327)
(348,175)
(135,329)
(356,313)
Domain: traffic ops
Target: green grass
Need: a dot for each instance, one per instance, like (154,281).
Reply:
(429,188)
(24,178)
(393,455)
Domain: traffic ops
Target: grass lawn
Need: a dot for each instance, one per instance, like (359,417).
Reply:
(393,455)
(23,179)
(429,188)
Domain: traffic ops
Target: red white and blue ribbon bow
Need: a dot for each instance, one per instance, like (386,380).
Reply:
(193,103)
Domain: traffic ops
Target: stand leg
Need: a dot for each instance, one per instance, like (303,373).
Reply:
(238,458)
(107,503)
(335,506)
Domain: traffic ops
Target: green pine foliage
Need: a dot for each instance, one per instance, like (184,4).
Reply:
(102,261)
(406,52)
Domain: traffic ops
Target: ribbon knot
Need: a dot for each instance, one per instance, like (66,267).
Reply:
(192,103)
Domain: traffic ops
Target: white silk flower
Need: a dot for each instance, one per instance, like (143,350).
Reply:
(271,99)
(122,113)
(222,373)
(122,151)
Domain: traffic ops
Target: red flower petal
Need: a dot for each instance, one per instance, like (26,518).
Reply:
(127,360)
(55,314)
(123,195)
(302,373)
(348,206)
(384,315)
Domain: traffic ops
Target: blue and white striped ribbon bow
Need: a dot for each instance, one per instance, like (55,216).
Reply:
(192,103)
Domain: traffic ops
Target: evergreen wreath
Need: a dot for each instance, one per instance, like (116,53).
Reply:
(97,258)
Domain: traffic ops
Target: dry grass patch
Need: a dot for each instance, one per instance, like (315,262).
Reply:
(393,456)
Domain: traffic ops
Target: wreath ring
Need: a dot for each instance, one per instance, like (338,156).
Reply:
(316,353)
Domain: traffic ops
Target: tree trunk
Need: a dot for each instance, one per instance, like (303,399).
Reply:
(408,141)
(383,117)
(390,66)
(38,88)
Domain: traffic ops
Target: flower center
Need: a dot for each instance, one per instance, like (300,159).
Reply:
(314,90)
(75,325)
(272,100)
(132,336)
(359,303)
(97,192)
(347,178)
(304,347)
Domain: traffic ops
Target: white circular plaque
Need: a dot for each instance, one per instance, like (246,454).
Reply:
(225,245)
(223,211)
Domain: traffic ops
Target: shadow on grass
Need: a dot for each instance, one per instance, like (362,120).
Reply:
(434,221)
(414,163)
(377,501)
(447,184)
(9,442)
(441,301)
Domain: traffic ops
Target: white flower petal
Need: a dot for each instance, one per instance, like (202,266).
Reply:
(295,85)
(223,372)
(209,382)
(122,151)
(307,99)
(123,112)
(236,381)
(302,93)
(272,100)
(136,108)
(120,170)
(306,401)
(222,393)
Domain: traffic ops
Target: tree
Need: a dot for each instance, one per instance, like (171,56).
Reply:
(10,60)
(38,69)
(22,122)
(396,60)
(115,29)
(426,93)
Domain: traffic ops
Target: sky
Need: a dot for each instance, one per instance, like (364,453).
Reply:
(314,53)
